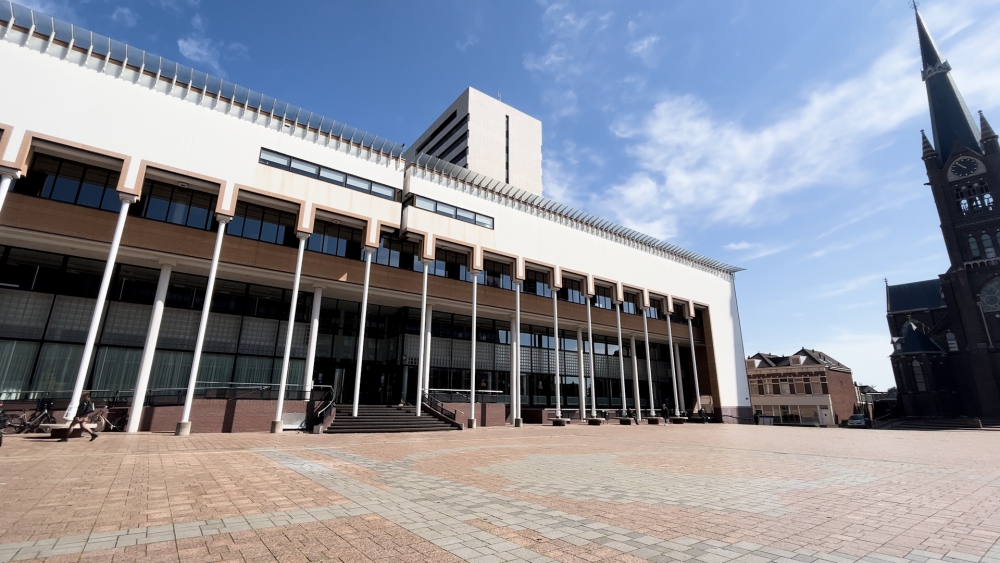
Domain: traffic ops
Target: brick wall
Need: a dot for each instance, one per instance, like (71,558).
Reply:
(218,415)
(487,414)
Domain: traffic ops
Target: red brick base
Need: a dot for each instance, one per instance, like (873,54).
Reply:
(218,415)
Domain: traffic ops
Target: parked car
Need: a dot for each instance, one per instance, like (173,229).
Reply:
(858,421)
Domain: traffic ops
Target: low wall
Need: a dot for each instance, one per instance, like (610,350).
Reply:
(487,414)
(543,415)
(219,415)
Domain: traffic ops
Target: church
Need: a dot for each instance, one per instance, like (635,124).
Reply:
(945,331)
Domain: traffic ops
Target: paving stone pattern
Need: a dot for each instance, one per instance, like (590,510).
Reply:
(586,494)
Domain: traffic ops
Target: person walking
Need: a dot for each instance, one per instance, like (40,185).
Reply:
(82,412)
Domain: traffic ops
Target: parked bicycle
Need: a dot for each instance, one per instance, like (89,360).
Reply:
(21,424)
(105,419)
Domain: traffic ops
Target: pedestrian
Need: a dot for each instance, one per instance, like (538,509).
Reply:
(82,412)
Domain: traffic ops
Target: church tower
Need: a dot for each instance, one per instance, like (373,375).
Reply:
(963,167)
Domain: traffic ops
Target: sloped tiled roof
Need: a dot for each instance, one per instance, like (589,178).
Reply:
(916,296)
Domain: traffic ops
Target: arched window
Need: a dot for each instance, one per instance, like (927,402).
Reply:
(988,246)
(974,247)
(952,341)
(918,376)
(989,296)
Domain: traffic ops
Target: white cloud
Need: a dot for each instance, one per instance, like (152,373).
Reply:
(469,41)
(125,16)
(643,48)
(197,47)
(755,250)
(742,245)
(719,171)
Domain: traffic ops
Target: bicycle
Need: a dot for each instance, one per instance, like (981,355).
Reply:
(101,422)
(42,415)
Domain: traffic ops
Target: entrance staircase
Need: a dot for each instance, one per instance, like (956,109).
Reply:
(384,419)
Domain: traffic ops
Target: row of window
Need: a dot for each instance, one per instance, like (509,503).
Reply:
(284,162)
(447,210)
(71,182)
(988,249)
(790,386)
(64,180)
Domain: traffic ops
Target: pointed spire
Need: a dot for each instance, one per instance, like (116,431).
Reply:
(929,151)
(928,51)
(989,137)
(951,121)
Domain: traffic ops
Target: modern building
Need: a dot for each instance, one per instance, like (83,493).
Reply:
(945,331)
(161,228)
(806,388)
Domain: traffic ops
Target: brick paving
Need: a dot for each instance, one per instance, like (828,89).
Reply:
(698,494)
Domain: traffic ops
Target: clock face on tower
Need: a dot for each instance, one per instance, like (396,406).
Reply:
(965,167)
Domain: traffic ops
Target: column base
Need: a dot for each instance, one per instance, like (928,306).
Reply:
(471,423)
(183,429)
(277,426)
(559,421)
(518,423)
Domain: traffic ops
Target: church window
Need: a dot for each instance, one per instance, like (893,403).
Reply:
(974,247)
(974,198)
(988,246)
(989,296)
(952,342)
(918,376)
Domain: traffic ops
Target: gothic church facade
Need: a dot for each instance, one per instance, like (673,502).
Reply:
(946,331)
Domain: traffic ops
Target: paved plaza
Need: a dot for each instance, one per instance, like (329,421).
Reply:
(692,493)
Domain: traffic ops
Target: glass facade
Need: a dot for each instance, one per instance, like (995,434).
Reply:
(177,205)
(256,222)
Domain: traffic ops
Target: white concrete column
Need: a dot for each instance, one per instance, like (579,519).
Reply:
(313,339)
(590,360)
(102,296)
(635,377)
(472,361)
(149,350)
(621,353)
(649,363)
(673,364)
(516,339)
(581,374)
(694,369)
(514,379)
(368,252)
(427,350)
(184,426)
(680,377)
(555,330)
(421,361)
(5,181)
(277,425)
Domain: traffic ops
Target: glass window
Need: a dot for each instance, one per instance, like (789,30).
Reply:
(952,342)
(264,224)
(918,376)
(571,291)
(484,221)
(631,304)
(445,209)
(179,204)
(465,215)
(974,247)
(304,168)
(92,189)
(497,274)
(274,159)
(359,184)
(424,203)
(536,283)
(383,191)
(602,297)
(333,176)
(68,182)
(988,246)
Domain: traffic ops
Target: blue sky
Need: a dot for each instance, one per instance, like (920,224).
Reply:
(779,136)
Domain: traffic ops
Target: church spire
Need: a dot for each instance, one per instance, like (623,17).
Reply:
(989,138)
(929,151)
(951,121)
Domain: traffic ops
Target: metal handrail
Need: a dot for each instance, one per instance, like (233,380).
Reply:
(434,404)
